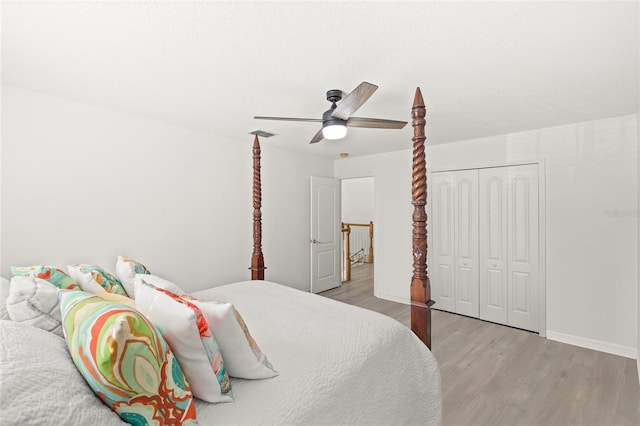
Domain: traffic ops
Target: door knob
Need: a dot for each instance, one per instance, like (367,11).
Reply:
(495,265)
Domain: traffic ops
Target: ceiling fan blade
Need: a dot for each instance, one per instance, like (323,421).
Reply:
(311,120)
(354,100)
(375,123)
(318,137)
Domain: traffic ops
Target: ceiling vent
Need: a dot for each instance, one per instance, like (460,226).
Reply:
(262,133)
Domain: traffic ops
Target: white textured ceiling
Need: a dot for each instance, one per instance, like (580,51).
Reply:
(485,68)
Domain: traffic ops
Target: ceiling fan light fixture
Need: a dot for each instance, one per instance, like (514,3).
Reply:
(334,131)
(332,127)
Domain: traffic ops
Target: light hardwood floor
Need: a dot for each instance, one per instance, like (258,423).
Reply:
(497,375)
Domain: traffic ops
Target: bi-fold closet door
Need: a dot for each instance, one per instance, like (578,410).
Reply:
(484,244)
(455,247)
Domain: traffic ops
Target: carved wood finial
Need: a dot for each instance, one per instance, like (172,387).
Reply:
(257,258)
(417,99)
(420,287)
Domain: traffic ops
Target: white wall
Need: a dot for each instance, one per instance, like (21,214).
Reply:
(591,231)
(638,213)
(358,200)
(84,184)
(286,189)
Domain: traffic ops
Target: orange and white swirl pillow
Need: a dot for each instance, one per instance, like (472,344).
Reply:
(125,361)
(243,357)
(184,327)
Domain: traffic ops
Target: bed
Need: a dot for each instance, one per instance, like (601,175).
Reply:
(336,363)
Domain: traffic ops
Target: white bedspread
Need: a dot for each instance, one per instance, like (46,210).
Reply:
(338,364)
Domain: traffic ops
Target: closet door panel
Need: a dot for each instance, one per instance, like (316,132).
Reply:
(493,244)
(466,242)
(442,219)
(523,259)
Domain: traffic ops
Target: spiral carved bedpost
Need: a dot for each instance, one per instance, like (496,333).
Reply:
(257,258)
(420,287)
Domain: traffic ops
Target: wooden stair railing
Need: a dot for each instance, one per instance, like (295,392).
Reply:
(346,238)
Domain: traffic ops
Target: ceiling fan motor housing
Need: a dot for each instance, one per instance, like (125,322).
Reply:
(333,96)
(329,120)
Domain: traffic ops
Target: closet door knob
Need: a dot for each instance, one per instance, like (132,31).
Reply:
(495,265)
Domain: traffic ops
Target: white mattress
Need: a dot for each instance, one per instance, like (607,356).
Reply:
(338,364)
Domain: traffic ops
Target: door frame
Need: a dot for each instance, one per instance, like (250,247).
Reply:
(373,219)
(542,225)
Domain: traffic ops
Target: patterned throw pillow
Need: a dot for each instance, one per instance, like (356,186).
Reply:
(35,302)
(126,270)
(243,357)
(94,279)
(157,282)
(187,332)
(125,361)
(49,273)
(118,298)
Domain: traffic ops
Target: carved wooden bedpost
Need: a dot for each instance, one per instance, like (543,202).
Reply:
(420,287)
(257,258)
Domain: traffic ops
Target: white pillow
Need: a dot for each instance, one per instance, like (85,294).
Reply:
(4,293)
(126,270)
(186,331)
(34,301)
(241,353)
(156,281)
(94,279)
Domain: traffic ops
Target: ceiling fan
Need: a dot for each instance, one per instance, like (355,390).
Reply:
(336,119)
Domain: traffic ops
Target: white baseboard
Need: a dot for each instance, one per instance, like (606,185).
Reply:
(597,345)
(391,298)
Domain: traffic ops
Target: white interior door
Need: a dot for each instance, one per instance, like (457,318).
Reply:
(522,257)
(441,272)
(325,234)
(493,244)
(466,242)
